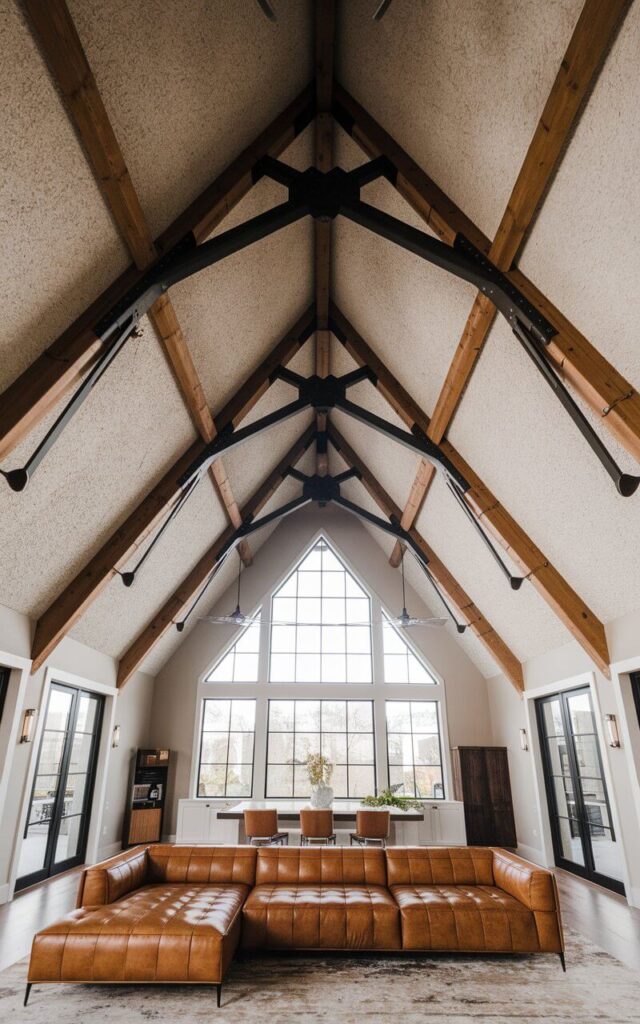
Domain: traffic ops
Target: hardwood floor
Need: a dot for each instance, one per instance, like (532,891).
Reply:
(602,916)
(33,909)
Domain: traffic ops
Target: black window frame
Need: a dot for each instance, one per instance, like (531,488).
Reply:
(5,677)
(225,795)
(301,700)
(411,700)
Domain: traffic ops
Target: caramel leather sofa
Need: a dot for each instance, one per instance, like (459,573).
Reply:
(161,913)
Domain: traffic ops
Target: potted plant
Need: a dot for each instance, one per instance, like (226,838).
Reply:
(389,798)
(320,770)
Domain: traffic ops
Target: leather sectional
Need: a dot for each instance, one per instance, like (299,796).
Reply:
(164,913)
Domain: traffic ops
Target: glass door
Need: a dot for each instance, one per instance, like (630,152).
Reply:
(584,839)
(56,831)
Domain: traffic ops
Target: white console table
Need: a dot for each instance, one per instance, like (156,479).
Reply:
(205,822)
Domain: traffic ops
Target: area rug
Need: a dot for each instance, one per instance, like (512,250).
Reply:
(352,989)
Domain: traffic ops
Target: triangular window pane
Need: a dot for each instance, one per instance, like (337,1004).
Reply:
(401,663)
(240,663)
(321,630)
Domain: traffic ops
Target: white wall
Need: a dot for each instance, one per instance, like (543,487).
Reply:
(566,667)
(177,684)
(80,665)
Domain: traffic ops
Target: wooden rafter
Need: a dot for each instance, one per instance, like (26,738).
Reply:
(468,610)
(188,589)
(37,390)
(67,61)
(324,11)
(561,598)
(612,397)
(74,600)
(589,44)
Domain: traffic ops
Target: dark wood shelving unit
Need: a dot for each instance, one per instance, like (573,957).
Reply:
(146,797)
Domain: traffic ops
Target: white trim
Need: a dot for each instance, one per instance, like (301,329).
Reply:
(110,693)
(11,720)
(531,853)
(4,893)
(105,852)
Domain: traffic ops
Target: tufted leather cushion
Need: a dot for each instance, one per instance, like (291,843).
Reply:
(332,916)
(415,865)
(200,864)
(108,881)
(324,866)
(465,918)
(160,933)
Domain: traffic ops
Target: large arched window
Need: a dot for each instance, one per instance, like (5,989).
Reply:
(324,671)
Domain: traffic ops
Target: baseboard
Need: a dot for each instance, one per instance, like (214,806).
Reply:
(5,893)
(109,851)
(531,853)
(633,896)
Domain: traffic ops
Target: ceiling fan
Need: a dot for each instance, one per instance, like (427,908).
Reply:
(404,619)
(238,618)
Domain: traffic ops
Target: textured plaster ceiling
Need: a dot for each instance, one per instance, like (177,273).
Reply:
(187,85)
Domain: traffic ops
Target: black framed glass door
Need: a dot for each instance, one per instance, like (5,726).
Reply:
(584,838)
(55,835)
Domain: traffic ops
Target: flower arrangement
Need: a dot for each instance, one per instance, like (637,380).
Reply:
(389,798)
(319,769)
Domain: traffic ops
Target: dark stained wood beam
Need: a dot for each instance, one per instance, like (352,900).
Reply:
(37,390)
(62,49)
(188,589)
(324,12)
(611,397)
(572,611)
(73,601)
(467,609)
(590,42)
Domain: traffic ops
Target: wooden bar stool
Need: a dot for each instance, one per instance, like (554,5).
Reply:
(261,829)
(316,827)
(372,828)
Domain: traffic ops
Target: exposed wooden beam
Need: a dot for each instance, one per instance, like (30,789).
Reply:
(324,43)
(468,610)
(611,397)
(561,598)
(36,391)
(62,49)
(186,592)
(582,61)
(69,606)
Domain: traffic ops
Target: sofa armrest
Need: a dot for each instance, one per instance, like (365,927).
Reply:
(527,883)
(111,879)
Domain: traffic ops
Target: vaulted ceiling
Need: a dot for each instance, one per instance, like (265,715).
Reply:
(513,123)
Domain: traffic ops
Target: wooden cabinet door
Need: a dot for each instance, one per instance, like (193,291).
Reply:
(497,771)
(194,821)
(144,826)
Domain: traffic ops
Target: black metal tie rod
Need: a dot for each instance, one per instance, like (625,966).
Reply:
(515,581)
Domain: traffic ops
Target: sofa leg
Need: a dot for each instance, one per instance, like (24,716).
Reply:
(26,993)
(564,966)
(218,995)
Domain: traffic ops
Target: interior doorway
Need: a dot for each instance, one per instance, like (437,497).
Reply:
(584,839)
(55,835)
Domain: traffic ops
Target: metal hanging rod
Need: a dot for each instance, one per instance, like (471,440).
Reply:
(515,581)
(128,578)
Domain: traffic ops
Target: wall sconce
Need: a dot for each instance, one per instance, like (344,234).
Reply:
(524,742)
(115,736)
(612,729)
(28,722)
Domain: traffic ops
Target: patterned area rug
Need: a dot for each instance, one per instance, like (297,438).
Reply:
(351,989)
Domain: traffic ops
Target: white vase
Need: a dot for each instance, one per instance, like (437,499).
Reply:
(321,796)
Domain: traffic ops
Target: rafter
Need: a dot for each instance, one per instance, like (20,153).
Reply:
(74,600)
(469,612)
(324,12)
(589,43)
(36,391)
(182,597)
(613,399)
(62,48)
(561,598)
